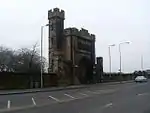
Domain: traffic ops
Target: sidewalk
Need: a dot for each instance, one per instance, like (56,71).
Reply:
(11,92)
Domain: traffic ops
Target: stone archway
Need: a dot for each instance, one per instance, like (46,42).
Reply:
(84,71)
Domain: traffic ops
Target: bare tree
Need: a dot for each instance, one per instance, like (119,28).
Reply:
(21,60)
(6,59)
(29,60)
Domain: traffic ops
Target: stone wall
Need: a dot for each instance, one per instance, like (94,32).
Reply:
(26,80)
(113,77)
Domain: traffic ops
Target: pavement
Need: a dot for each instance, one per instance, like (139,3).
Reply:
(111,98)
(10,92)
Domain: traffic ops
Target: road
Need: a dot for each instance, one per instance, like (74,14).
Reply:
(119,98)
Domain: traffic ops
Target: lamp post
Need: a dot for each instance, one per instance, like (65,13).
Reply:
(120,53)
(109,49)
(142,62)
(42,27)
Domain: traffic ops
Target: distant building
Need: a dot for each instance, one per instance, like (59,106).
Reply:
(71,51)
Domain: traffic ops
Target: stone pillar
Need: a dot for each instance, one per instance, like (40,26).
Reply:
(93,56)
(99,69)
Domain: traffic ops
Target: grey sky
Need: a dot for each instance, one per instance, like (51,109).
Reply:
(112,21)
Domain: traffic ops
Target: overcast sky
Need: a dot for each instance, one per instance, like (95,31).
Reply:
(112,21)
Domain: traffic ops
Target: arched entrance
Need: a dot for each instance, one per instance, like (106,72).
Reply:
(85,71)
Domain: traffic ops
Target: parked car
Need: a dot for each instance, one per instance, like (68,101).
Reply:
(140,79)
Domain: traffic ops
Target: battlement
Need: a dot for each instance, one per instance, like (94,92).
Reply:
(74,30)
(56,12)
(81,33)
(93,37)
(71,31)
(67,31)
(84,32)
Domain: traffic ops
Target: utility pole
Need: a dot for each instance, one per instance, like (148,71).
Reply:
(142,62)
(120,54)
(109,52)
(42,27)
(121,58)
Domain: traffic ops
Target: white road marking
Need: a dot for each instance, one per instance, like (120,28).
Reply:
(8,104)
(142,94)
(93,92)
(102,90)
(34,103)
(83,94)
(108,105)
(54,98)
(69,96)
(107,91)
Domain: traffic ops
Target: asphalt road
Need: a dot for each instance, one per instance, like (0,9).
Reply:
(119,98)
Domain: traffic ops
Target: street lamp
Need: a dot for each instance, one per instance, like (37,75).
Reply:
(42,27)
(109,47)
(142,62)
(120,53)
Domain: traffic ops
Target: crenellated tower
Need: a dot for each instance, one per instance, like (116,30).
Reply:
(56,26)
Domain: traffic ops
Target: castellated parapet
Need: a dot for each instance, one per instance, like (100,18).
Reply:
(76,32)
(56,12)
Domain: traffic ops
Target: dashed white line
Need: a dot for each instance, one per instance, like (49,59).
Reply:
(93,92)
(108,105)
(34,103)
(106,91)
(8,104)
(83,94)
(102,90)
(69,96)
(54,98)
(142,94)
